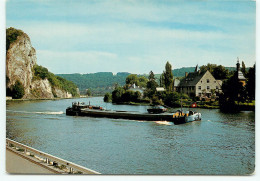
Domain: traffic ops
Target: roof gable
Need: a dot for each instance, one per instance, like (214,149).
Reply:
(192,79)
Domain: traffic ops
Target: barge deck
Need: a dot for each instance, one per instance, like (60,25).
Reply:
(125,115)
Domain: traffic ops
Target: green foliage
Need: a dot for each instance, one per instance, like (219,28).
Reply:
(132,79)
(99,83)
(137,80)
(250,85)
(181,71)
(151,86)
(88,93)
(17,90)
(11,36)
(233,91)
(243,68)
(142,81)
(117,94)
(108,97)
(41,72)
(120,95)
(218,71)
(172,99)
(168,77)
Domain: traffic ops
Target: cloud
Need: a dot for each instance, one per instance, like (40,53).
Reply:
(141,35)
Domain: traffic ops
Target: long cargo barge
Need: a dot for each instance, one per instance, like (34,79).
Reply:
(94,111)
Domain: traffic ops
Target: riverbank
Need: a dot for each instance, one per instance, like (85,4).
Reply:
(24,159)
(39,99)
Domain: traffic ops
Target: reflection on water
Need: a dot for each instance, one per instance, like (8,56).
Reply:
(219,144)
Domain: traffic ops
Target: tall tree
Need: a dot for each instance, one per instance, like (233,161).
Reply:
(151,85)
(168,77)
(132,79)
(162,80)
(243,68)
(220,72)
(250,86)
(142,81)
(233,93)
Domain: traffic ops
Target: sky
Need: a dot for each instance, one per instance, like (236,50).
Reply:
(136,36)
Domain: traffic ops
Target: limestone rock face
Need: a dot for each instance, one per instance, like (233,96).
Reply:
(20,60)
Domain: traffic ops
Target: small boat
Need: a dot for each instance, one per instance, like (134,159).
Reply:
(156,109)
(188,116)
(193,116)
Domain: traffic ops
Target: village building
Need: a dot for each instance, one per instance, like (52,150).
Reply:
(160,89)
(198,84)
(135,88)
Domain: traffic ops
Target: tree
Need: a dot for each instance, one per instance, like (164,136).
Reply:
(107,97)
(243,69)
(151,85)
(41,72)
(142,81)
(233,94)
(172,99)
(250,85)
(162,80)
(17,90)
(132,79)
(220,72)
(11,36)
(88,93)
(117,94)
(168,77)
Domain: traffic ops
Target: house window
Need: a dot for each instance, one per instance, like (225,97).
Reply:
(208,87)
(199,87)
(200,94)
(207,80)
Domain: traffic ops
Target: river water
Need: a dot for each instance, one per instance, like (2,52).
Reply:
(219,144)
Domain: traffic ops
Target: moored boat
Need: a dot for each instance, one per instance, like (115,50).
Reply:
(157,109)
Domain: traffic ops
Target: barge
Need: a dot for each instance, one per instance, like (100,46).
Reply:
(80,109)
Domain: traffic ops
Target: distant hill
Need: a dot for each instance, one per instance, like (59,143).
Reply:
(102,82)
(99,82)
(181,71)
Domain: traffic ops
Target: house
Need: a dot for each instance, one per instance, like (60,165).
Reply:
(160,89)
(198,84)
(134,88)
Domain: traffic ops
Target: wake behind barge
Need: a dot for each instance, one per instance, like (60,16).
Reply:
(79,109)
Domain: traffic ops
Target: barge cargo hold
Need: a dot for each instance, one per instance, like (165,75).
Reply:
(123,115)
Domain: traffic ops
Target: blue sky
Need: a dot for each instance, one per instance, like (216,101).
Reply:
(137,36)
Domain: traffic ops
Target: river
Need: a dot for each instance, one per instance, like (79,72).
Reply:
(220,143)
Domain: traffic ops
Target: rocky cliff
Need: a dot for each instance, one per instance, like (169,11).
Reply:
(20,62)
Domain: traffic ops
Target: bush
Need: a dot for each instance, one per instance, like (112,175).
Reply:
(117,94)
(41,72)
(108,97)
(11,36)
(172,99)
(17,90)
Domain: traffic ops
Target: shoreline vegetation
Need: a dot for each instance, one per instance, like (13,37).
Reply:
(235,95)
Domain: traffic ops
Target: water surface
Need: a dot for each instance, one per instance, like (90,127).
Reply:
(219,144)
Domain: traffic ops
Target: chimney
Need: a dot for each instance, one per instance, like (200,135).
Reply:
(186,74)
